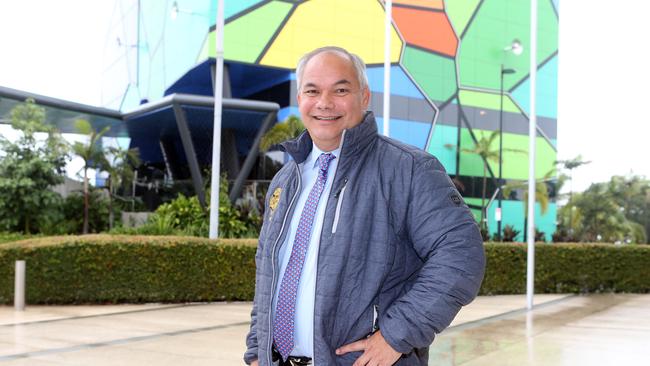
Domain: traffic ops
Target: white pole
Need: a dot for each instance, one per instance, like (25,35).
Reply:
(19,286)
(216,136)
(387,33)
(530,268)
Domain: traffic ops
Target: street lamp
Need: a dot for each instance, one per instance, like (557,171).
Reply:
(516,48)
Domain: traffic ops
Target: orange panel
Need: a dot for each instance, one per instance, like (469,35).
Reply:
(432,4)
(427,29)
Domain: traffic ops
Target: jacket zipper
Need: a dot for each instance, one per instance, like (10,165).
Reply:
(273,280)
(313,351)
(339,196)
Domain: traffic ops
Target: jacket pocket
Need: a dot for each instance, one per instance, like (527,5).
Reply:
(339,196)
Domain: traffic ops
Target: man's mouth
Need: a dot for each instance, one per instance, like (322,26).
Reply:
(327,118)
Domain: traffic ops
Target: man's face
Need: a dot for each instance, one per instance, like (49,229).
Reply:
(330,99)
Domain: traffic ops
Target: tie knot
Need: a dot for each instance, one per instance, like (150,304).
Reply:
(324,161)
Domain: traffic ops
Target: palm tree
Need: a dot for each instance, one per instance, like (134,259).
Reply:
(92,155)
(289,129)
(120,170)
(483,148)
(541,194)
(571,164)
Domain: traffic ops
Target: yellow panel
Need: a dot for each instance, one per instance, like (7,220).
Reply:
(357,26)
(433,4)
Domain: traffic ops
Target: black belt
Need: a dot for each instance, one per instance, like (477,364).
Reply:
(291,360)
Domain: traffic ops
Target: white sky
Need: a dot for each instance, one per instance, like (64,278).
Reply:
(55,48)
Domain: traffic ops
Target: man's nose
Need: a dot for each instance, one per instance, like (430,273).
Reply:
(325,101)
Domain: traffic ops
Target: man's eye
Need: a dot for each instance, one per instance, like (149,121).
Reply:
(311,92)
(342,91)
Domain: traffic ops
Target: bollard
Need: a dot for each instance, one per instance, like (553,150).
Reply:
(19,288)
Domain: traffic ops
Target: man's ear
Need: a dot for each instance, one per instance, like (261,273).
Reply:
(365,98)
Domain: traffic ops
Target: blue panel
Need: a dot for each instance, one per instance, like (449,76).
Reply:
(513,214)
(285,112)
(557,5)
(246,80)
(400,84)
(444,135)
(546,91)
(409,132)
(197,80)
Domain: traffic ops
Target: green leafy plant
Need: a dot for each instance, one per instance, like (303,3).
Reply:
(185,216)
(280,132)
(93,157)
(510,233)
(29,167)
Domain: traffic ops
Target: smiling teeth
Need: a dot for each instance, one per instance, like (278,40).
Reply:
(327,118)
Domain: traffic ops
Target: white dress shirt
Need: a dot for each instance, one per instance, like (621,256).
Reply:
(305,297)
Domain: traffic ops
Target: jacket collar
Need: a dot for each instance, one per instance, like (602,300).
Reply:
(353,140)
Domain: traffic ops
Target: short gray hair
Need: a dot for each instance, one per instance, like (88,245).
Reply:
(357,63)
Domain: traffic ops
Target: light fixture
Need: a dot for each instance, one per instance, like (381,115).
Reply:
(515,47)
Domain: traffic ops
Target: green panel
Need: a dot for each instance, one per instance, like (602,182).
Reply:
(515,163)
(245,38)
(444,135)
(513,214)
(496,24)
(485,100)
(460,12)
(472,164)
(436,75)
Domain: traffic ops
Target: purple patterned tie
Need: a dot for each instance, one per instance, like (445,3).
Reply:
(286,305)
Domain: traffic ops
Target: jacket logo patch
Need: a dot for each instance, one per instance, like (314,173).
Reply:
(275,199)
(455,198)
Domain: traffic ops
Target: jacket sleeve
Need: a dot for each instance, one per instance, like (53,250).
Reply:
(445,236)
(251,353)
(251,339)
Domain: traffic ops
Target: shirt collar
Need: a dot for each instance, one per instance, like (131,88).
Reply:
(312,160)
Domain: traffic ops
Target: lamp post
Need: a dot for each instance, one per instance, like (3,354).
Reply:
(504,71)
(516,48)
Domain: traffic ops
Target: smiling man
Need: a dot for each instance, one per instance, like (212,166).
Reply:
(367,250)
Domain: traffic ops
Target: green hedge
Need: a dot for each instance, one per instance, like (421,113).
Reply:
(123,268)
(111,269)
(565,268)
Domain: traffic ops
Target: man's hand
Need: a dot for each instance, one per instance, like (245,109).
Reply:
(255,363)
(376,351)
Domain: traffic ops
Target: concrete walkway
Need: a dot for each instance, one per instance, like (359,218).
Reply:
(493,330)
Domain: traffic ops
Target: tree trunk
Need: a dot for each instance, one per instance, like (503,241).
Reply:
(111,217)
(27,222)
(483,197)
(525,228)
(86,202)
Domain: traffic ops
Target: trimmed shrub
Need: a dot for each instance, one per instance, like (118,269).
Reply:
(114,269)
(135,269)
(568,268)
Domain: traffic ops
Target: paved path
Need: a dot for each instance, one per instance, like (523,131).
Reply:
(493,330)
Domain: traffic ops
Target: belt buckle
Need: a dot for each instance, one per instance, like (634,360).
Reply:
(298,361)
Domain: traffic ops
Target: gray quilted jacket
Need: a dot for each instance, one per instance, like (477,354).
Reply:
(399,251)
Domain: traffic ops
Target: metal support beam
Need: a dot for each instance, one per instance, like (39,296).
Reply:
(252,156)
(190,153)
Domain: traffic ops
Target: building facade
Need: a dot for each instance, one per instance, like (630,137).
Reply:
(459,74)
